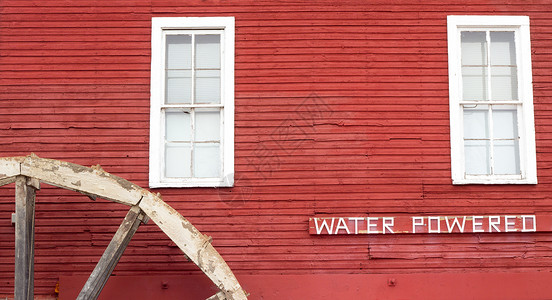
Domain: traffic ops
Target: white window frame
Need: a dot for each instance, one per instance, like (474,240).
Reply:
(157,89)
(526,127)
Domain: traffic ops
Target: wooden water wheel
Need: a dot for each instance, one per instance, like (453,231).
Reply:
(27,173)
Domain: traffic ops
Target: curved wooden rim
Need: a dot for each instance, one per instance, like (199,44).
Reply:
(95,182)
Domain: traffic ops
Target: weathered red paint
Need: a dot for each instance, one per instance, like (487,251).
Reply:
(341,110)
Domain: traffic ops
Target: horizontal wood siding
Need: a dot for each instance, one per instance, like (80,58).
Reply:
(341,108)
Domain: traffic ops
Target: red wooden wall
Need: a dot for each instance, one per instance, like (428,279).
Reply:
(341,108)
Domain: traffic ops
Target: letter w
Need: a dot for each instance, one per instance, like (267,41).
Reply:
(324,224)
(456,223)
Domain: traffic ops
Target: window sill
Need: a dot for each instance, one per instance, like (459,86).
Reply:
(183,183)
(465,181)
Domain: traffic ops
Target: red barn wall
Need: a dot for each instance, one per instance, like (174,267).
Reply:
(341,108)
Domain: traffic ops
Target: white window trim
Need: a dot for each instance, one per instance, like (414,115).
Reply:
(526,130)
(156,157)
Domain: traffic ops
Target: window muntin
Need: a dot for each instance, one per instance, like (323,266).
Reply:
(192,81)
(491,141)
(488,75)
(492,131)
(193,67)
(191,140)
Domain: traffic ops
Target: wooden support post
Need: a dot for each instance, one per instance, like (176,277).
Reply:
(112,254)
(25,191)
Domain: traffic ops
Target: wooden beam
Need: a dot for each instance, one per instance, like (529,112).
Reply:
(95,283)
(90,181)
(7,180)
(25,191)
(10,168)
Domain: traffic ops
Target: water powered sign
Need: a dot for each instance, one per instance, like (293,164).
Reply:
(404,224)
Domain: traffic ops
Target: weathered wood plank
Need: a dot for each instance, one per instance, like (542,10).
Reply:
(92,181)
(7,180)
(25,190)
(9,168)
(95,283)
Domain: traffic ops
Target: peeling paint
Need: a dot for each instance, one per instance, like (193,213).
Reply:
(78,168)
(52,168)
(212,266)
(188,226)
(127,185)
(97,168)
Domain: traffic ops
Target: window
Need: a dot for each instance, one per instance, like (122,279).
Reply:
(491,100)
(192,102)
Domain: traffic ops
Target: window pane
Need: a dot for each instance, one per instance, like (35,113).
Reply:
(178,126)
(504,83)
(503,50)
(505,122)
(506,157)
(474,49)
(207,87)
(477,157)
(474,83)
(207,160)
(179,52)
(476,122)
(178,160)
(207,126)
(208,51)
(179,87)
